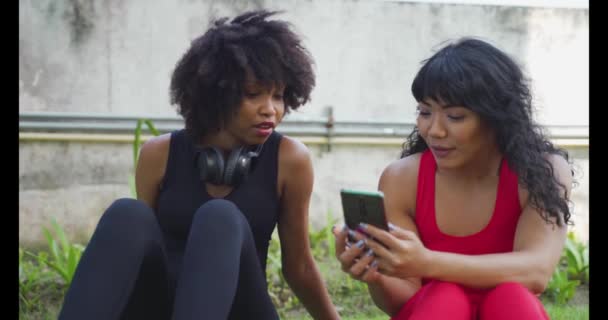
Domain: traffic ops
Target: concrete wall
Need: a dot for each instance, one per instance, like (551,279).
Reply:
(75,182)
(116,57)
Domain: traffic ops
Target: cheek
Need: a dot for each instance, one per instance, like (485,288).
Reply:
(469,137)
(422,127)
(280,110)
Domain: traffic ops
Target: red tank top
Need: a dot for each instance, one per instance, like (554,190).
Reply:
(497,236)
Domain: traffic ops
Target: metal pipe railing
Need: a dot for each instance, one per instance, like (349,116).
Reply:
(59,122)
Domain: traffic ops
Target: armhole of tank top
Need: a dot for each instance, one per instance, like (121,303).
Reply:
(421,181)
(277,143)
(168,165)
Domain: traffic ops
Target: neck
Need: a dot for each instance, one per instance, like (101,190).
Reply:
(221,140)
(485,164)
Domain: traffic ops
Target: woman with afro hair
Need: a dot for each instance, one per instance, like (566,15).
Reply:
(194,243)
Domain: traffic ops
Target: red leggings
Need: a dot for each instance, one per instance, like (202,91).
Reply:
(445,300)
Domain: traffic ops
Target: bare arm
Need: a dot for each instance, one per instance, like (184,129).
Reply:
(299,269)
(388,293)
(151,168)
(537,249)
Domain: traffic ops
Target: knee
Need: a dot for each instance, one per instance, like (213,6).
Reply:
(510,296)
(441,291)
(452,298)
(508,289)
(448,288)
(218,213)
(128,216)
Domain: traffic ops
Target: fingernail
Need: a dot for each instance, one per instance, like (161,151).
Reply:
(352,234)
(363,226)
(369,252)
(360,243)
(374,263)
(391,226)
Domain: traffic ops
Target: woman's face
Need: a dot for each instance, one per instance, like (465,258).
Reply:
(455,135)
(261,110)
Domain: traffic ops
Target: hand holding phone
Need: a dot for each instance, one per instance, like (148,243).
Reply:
(361,206)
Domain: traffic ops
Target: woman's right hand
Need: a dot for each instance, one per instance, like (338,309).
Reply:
(355,258)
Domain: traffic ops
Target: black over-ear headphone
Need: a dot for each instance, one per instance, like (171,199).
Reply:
(213,168)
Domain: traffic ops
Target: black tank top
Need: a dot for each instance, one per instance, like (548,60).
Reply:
(182,193)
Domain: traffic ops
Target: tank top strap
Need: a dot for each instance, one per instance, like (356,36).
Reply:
(425,193)
(180,150)
(507,208)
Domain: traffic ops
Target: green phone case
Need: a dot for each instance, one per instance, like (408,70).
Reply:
(362,206)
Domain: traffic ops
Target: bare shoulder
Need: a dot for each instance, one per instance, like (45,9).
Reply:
(151,168)
(293,152)
(399,182)
(562,172)
(402,171)
(561,167)
(156,148)
(295,172)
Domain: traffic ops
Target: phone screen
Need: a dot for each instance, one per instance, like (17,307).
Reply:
(363,207)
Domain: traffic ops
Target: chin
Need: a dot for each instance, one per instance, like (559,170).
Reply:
(256,140)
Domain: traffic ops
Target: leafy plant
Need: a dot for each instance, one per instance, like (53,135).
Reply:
(137,142)
(29,279)
(64,256)
(577,258)
(561,289)
(322,241)
(278,289)
(572,270)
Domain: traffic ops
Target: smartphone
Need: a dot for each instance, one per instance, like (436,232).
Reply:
(360,206)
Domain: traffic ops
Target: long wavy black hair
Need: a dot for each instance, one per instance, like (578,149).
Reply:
(474,74)
(207,83)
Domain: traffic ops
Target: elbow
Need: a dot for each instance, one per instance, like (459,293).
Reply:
(538,280)
(537,286)
(392,310)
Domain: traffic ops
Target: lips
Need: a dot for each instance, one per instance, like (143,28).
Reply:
(440,151)
(264,129)
(265,125)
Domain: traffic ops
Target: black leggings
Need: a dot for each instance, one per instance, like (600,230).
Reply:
(124,271)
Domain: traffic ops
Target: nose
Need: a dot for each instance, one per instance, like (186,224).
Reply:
(436,128)
(268,107)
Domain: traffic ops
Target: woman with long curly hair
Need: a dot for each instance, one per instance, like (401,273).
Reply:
(194,243)
(478,204)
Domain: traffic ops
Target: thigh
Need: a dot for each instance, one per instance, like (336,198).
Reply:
(252,300)
(437,300)
(511,301)
(153,291)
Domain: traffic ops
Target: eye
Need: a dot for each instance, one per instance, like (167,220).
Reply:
(455,117)
(423,113)
(278,96)
(252,94)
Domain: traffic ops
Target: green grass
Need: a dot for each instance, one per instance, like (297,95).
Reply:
(568,312)
(41,288)
(353,304)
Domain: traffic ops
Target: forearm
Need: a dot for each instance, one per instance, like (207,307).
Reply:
(308,286)
(389,293)
(487,271)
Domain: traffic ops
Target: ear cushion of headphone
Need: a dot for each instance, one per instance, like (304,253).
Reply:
(211,165)
(237,167)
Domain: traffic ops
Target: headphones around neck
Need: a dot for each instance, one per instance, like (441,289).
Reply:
(213,168)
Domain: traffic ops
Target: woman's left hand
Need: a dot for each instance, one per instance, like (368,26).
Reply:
(399,252)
